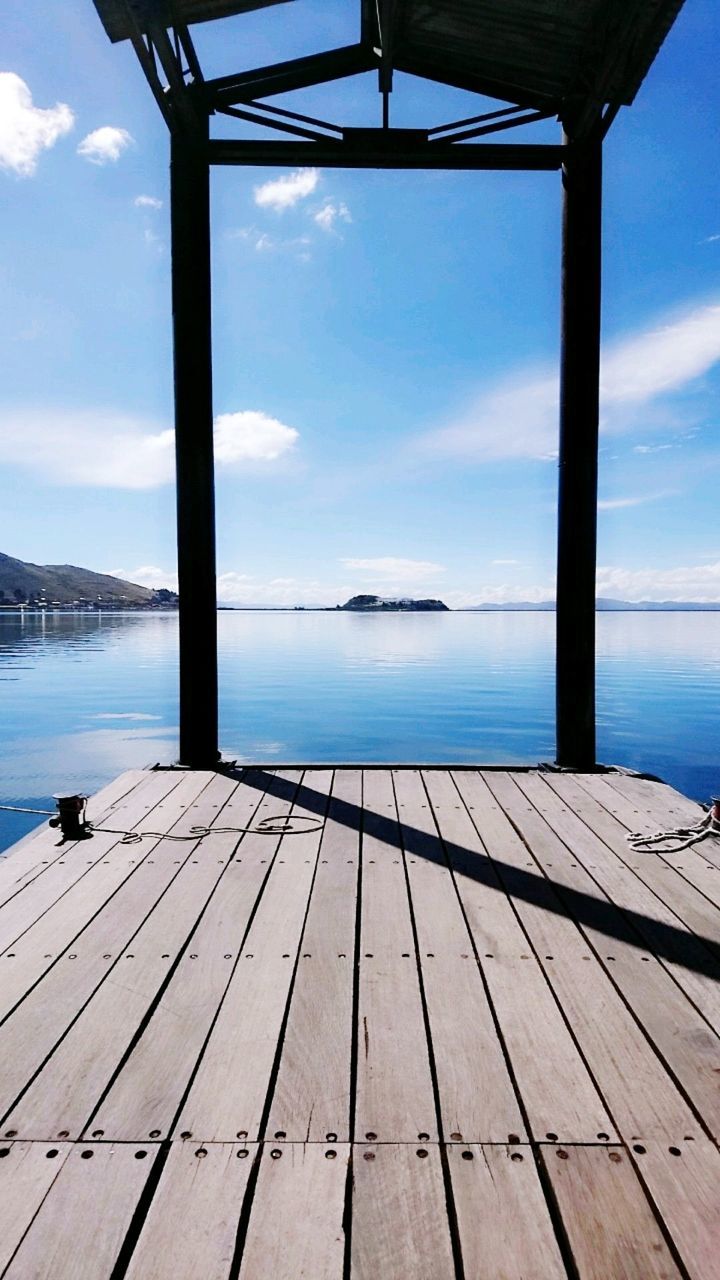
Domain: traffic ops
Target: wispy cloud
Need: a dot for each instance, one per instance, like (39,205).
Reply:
(652,448)
(330,213)
(517,418)
(614,504)
(690,582)
(26,130)
(104,448)
(104,145)
(396,568)
(506,562)
(710,239)
(147,202)
(283,193)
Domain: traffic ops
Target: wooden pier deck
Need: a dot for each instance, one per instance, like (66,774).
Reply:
(453,1028)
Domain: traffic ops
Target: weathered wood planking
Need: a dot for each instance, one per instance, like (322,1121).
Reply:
(688,909)
(394,1100)
(702,987)
(683,1181)
(609,1223)
(27,1171)
(229,1091)
(503,1220)
(311,1100)
(490,984)
(400,1225)
(557,1091)
(614,817)
(35,952)
(66,1093)
(39,1021)
(153,1081)
(96,1185)
(40,848)
(192,1225)
(74,860)
(682,1038)
(639,1093)
(477,1100)
(303,1184)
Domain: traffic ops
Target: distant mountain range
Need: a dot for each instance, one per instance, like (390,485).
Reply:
(66,584)
(603,605)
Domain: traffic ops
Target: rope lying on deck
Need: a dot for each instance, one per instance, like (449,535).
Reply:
(277,825)
(274,825)
(688,836)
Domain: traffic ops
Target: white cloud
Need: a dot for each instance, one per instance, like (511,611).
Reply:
(506,562)
(614,504)
(517,418)
(147,575)
(330,213)
(711,239)
(26,130)
(396,568)
(113,450)
(105,145)
(283,193)
(147,202)
(693,582)
(251,436)
(652,448)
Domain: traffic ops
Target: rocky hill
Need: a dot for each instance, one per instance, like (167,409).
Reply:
(377,604)
(22,583)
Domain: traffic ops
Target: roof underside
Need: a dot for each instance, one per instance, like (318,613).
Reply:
(536,53)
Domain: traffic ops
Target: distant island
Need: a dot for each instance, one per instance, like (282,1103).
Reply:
(65,586)
(380,604)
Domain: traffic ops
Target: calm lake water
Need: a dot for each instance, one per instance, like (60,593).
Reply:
(83,697)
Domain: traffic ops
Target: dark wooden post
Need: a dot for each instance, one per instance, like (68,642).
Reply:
(192,337)
(577,498)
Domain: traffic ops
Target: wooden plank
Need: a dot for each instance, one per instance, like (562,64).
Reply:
(656,799)
(27,1171)
(23,865)
(230,1089)
(191,1228)
(477,1099)
(683,1181)
(504,1224)
(296,1224)
(394,1099)
(35,897)
(146,1095)
(636,886)
(70,1085)
(639,1093)
(681,1037)
(312,1091)
(557,1091)
(31,857)
(40,1020)
(35,953)
(399,1215)
(83,1220)
(610,1226)
(613,816)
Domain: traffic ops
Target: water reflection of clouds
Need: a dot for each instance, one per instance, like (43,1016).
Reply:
(392,640)
(123,715)
(83,761)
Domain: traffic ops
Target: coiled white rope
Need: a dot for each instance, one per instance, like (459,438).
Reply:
(708,829)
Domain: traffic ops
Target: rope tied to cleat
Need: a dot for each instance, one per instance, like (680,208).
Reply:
(684,837)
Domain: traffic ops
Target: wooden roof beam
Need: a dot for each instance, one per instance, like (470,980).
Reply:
(298,73)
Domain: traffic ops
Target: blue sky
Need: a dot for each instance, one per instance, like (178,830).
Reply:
(385,343)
